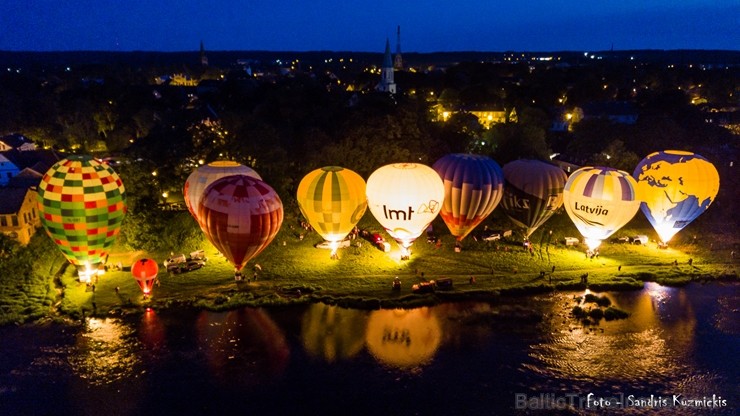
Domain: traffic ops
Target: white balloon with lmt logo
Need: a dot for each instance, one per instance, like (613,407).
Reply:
(405,198)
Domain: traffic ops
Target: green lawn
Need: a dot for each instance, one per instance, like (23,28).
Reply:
(362,276)
(294,271)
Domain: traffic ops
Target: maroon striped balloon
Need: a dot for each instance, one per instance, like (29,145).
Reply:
(240,216)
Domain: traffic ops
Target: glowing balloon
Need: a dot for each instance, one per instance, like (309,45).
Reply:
(145,272)
(333,200)
(533,192)
(405,198)
(82,202)
(241,216)
(203,176)
(600,201)
(675,187)
(473,188)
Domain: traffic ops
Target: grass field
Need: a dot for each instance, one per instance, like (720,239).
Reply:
(292,270)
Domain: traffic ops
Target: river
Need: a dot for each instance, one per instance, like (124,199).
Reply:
(676,353)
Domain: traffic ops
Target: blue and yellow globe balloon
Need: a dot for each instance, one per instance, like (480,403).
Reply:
(675,187)
(600,201)
(473,188)
(332,199)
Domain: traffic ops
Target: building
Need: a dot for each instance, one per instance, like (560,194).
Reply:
(620,112)
(8,169)
(398,61)
(19,215)
(17,142)
(203,57)
(487,115)
(387,84)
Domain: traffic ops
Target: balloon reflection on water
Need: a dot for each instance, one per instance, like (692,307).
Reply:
(333,333)
(403,338)
(243,345)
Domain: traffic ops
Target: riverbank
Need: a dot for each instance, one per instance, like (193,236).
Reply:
(362,277)
(291,270)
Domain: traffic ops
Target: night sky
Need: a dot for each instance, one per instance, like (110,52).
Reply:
(345,25)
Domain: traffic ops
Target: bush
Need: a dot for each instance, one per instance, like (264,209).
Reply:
(578,312)
(599,300)
(612,313)
(596,314)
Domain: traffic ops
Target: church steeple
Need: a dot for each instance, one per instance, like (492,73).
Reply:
(386,83)
(203,57)
(398,61)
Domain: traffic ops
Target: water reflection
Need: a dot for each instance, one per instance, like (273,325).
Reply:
(403,338)
(476,355)
(105,351)
(654,348)
(244,346)
(332,333)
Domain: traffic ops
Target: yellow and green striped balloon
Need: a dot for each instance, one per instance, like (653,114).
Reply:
(82,202)
(333,200)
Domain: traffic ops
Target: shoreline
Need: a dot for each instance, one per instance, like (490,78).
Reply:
(232,300)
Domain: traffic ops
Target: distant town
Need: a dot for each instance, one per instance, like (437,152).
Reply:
(285,113)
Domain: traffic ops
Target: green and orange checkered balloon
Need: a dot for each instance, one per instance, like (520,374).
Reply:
(82,202)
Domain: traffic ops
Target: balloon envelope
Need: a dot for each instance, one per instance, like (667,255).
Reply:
(600,201)
(473,188)
(82,202)
(200,178)
(533,192)
(405,198)
(675,187)
(241,216)
(145,271)
(333,200)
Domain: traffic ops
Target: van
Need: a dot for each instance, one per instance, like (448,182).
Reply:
(571,241)
(180,258)
(640,239)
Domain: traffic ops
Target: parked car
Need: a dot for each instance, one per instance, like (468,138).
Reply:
(191,265)
(180,258)
(424,287)
(494,236)
(640,239)
(380,242)
(327,244)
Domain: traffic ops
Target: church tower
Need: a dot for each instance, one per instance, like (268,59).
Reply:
(386,83)
(203,57)
(398,61)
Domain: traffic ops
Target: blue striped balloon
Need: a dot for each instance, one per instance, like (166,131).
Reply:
(473,188)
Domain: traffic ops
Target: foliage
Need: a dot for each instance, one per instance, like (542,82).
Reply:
(26,286)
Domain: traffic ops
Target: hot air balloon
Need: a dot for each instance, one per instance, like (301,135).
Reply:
(675,187)
(241,216)
(473,188)
(333,200)
(203,176)
(82,202)
(600,201)
(145,272)
(405,198)
(533,192)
